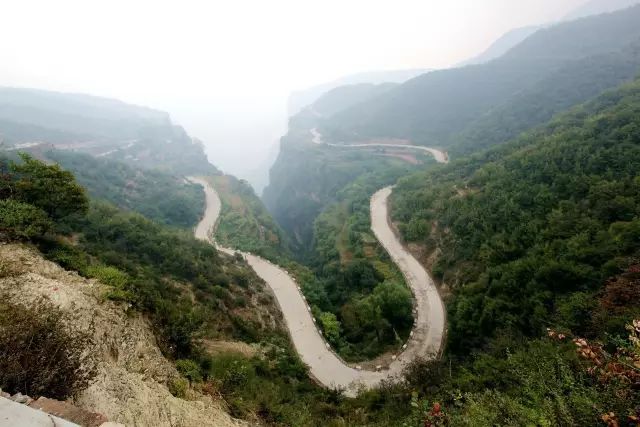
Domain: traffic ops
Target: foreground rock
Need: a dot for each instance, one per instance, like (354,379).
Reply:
(131,385)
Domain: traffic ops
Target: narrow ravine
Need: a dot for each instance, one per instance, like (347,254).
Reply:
(325,365)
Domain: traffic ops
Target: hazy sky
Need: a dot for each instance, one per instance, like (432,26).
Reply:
(213,64)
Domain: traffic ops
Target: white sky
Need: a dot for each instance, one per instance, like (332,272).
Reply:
(223,64)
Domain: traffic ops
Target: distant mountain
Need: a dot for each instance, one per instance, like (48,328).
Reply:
(75,115)
(98,126)
(431,109)
(502,45)
(303,98)
(596,7)
(335,101)
(514,37)
(570,85)
(343,97)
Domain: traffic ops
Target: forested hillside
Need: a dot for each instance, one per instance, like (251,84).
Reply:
(432,109)
(539,233)
(205,308)
(343,97)
(527,234)
(306,177)
(155,268)
(76,116)
(157,195)
(470,108)
(532,233)
(360,296)
(244,222)
(514,37)
(568,86)
(542,232)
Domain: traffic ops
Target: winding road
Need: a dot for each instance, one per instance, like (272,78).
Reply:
(325,365)
(440,156)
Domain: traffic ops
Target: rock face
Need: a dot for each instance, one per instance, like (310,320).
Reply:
(131,384)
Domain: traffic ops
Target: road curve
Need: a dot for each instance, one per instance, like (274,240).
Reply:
(325,365)
(440,156)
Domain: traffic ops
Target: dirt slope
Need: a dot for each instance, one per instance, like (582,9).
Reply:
(131,385)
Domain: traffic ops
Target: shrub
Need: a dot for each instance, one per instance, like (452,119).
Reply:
(232,371)
(7,270)
(241,301)
(21,220)
(331,327)
(42,352)
(115,278)
(221,280)
(67,257)
(120,295)
(108,275)
(49,187)
(178,387)
(189,369)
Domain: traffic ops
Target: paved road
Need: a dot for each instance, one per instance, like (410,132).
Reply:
(325,366)
(441,157)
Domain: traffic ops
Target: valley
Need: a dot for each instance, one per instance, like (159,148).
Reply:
(325,366)
(452,244)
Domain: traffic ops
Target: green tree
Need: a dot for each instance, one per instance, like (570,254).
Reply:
(394,303)
(22,221)
(49,188)
(331,327)
(189,369)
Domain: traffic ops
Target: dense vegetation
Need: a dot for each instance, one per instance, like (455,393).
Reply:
(568,86)
(355,291)
(157,269)
(323,197)
(527,233)
(434,108)
(499,383)
(541,232)
(358,294)
(189,293)
(159,196)
(244,222)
